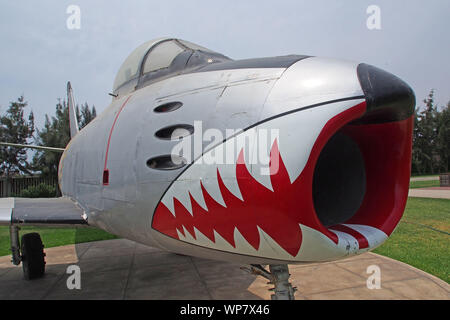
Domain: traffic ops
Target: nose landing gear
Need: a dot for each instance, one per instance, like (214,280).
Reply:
(279,277)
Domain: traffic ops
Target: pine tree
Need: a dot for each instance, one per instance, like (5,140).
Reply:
(15,129)
(417,163)
(56,133)
(87,115)
(443,138)
(431,138)
(425,137)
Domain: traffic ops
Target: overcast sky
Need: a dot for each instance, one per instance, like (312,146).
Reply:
(39,54)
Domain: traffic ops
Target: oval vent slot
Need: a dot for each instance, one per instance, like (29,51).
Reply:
(168,107)
(166,162)
(175,132)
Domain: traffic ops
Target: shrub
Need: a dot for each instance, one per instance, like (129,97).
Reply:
(42,190)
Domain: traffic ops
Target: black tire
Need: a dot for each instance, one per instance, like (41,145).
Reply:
(33,262)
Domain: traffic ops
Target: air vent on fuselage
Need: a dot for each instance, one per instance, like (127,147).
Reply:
(175,132)
(168,107)
(166,162)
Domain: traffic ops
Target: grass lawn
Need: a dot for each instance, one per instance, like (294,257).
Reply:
(423,184)
(53,237)
(416,243)
(426,176)
(413,242)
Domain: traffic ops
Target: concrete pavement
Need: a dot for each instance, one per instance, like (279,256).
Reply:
(122,269)
(432,192)
(432,178)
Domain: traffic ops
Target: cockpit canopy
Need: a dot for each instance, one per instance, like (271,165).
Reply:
(159,59)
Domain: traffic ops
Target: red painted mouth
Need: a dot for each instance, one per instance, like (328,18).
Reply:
(279,212)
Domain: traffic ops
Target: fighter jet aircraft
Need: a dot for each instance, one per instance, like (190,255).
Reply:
(266,161)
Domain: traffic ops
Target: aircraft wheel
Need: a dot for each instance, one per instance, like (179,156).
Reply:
(33,262)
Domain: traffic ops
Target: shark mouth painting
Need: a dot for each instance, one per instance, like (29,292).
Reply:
(320,200)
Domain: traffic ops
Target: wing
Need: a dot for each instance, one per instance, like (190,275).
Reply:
(16,145)
(41,212)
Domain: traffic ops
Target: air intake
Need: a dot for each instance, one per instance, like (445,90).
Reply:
(175,132)
(168,107)
(166,162)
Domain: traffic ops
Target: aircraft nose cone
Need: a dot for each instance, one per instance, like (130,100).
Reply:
(388,98)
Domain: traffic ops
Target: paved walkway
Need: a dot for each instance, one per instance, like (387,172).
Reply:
(122,269)
(425,178)
(432,192)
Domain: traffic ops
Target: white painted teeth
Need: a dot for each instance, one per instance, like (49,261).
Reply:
(189,181)
(177,191)
(315,245)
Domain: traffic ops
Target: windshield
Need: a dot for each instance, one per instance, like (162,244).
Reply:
(130,67)
(160,58)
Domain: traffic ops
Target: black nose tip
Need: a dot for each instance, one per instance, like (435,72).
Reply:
(388,98)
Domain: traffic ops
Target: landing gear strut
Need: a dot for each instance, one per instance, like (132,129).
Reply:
(29,252)
(279,277)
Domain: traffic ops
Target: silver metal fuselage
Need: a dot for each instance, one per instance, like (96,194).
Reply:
(122,138)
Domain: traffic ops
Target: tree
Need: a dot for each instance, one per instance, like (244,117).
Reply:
(417,155)
(56,133)
(15,129)
(425,135)
(87,115)
(431,138)
(443,138)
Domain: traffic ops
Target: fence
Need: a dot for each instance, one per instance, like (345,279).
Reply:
(13,187)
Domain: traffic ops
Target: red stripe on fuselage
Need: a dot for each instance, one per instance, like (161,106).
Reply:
(105,169)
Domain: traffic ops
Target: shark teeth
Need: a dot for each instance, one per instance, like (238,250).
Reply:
(316,246)
(201,173)
(256,144)
(241,208)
